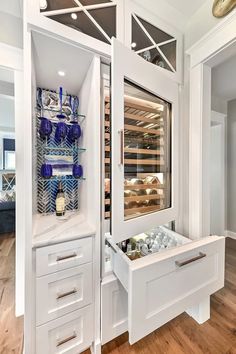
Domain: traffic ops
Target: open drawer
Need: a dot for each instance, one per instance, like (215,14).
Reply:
(162,285)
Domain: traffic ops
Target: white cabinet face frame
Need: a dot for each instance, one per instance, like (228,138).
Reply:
(41,19)
(134,12)
(129,66)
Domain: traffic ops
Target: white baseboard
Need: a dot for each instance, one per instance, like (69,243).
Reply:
(230,234)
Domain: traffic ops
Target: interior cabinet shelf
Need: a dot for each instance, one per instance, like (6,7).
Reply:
(143,118)
(135,128)
(144,162)
(143,151)
(141,210)
(144,106)
(143,197)
(107,214)
(144,186)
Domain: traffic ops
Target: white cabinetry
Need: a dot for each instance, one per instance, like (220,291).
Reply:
(64,297)
(160,285)
(114,309)
(70,334)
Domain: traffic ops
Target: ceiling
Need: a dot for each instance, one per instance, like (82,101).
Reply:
(186,7)
(12,7)
(224,80)
(52,56)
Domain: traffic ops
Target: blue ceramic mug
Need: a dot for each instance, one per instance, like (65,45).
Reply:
(45,128)
(74,132)
(77,171)
(61,131)
(46,170)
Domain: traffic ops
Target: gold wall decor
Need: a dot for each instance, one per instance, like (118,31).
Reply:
(222,7)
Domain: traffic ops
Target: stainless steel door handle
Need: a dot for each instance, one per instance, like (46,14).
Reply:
(196,258)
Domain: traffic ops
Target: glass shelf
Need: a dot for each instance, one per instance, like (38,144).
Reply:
(61,178)
(80,117)
(61,148)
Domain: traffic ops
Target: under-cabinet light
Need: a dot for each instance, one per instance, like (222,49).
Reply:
(133,45)
(74,16)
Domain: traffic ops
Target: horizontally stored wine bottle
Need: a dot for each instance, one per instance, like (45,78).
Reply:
(60,201)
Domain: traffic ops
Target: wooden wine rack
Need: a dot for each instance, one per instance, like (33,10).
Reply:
(151,124)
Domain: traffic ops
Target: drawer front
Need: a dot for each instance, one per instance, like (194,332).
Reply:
(69,334)
(62,292)
(62,256)
(163,289)
(114,309)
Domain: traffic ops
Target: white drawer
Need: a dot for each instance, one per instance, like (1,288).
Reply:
(69,334)
(160,286)
(60,293)
(64,255)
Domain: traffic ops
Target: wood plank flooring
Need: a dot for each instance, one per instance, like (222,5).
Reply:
(11,328)
(183,335)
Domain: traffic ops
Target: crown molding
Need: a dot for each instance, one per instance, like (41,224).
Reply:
(218,38)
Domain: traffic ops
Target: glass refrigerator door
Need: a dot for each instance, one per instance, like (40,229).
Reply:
(144,107)
(146,138)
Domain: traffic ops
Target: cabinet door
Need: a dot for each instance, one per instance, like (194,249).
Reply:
(154,40)
(114,309)
(144,125)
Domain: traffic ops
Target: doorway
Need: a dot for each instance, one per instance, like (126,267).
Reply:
(11,328)
(12,236)
(218,193)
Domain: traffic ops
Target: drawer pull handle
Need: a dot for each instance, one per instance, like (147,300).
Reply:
(61,296)
(183,263)
(73,255)
(68,339)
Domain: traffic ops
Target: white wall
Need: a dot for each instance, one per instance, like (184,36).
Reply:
(218,104)
(165,12)
(200,23)
(217,174)
(231,166)
(11,30)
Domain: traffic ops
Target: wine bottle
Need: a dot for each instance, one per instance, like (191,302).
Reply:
(60,201)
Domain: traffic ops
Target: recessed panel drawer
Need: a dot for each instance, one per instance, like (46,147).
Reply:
(69,334)
(160,286)
(64,255)
(60,293)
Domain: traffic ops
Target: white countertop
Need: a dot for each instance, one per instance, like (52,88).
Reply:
(49,229)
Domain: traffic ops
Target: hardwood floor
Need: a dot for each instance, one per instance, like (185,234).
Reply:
(11,328)
(183,335)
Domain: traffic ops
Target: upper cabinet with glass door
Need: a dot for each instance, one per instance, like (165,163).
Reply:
(153,40)
(96,18)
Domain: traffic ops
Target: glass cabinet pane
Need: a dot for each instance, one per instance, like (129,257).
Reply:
(146,149)
(58,5)
(96,18)
(81,24)
(153,44)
